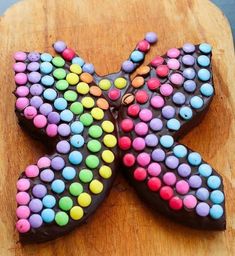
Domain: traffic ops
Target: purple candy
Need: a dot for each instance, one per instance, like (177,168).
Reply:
(189,73)
(189,86)
(35,221)
(151,37)
(158,155)
(151,140)
(39,190)
(34,56)
(47,175)
(172,162)
(168,112)
(184,170)
(57,163)
(59,46)
(53,118)
(63,147)
(188,48)
(195,181)
(35,205)
(128,66)
(202,194)
(88,68)
(64,130)
(179,98)
(45,109)
(34,77)
(36,89)
(188,60)
(156,124)
(202,209)
(33,66)
(36,101)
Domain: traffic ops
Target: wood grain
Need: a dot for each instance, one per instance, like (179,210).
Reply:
(104,32)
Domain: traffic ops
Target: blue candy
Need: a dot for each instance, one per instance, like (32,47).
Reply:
(137,56)
(58,186)
(77,127)
(173,124)
(205,48)
(47,80)
(216,211)
(89,68)
(46,67)
(69,173)
(75,157)
(214,182)
(180,151)
(196,102)
(166,141)
(189,73)
(60,104)
(78,60)
(48,215)
(204,74)
(46,57)
(194,158)
(66,115)
(203,61)
(205,170)
(77,141)
(49,94)
(217,196)
(207,90)
(186,113)
(49,201)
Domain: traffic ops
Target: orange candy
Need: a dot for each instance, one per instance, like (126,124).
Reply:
(86,77)
(95,91)
(137,82)
(102,103)
(144,70)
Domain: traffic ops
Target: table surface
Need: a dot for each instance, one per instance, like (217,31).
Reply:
(104,35)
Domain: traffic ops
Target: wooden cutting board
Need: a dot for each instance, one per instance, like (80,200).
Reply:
(104,32)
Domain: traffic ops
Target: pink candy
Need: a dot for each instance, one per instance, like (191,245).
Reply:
(177,79)
(138,144)
(23,212)
(154,169)
(23,225)
(19,67)
(190,201)
(23,184)
(32,171)
(166,89)
(182,187)
(40,121)
(20,56)
(22,198)
(173,53)
(145,115)
(141,128)
(157,102)
(51,130)
(30,112)
(173,64)
(44,162)
(22,91)
(21,103)
(143,159)
(169,178)
(21,78)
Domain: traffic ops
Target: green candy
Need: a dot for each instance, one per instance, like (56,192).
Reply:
(70,95)
(59,73)
(92,161)
(75,189)
(94,146)
(85,175)
(65,203)
(58,62)
(76,108)
(61,218)
(95,131)
(86,119)
(62,85)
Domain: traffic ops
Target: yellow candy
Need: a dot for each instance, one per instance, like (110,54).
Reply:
(96,187)
(110,140)
(83,88)
(72,78)
(84,199)
(88,102)
(120,83)
(97,113)
(105,171)
(76,213)
(107,126)
(107,156)
(104,84)
(75,68)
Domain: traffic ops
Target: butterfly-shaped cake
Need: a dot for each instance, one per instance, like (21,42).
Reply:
(98,125)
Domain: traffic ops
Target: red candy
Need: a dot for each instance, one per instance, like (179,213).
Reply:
(166,193)
(153,83)
(68,54)
(114,94)
(143,46)
(175,203)
(133,110)
(154,184)
(129,160)
(157,61)
(141,96)
(140,174)
(127,125)
(124,143)
(162,70)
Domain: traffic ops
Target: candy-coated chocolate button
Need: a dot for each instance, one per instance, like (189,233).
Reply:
(217,196)
(58,186)
(96,187)
(216,211)
(214,182)
(140,174)
(124,143)
(166,141)
(72,78)
(194,158)
(88,102)
(127,125)
(110,140)
(107,126)
(61,218)
(70,95)
(76,108)
(186,113)
(166,193)
(95,91)
(95,131)
(207,90)
(77,141)
(102,103)
(94,146)
(154,184)
(108,156)
(62,85)
(58,61)
(120,82)
(196,102)
(137,82)
(153,83)
(205,48)
(105,84)
(205,170)
(75,189)
(59,73)
(75,68)
(137,56)
(86,77)
(97,113)
(84,199)
(83,88)
(86,119)
(76,213)
(92,161)
(48,215)
(175,203)
(105,171)
(75,157)
(204,74)
(85,175)
(65,203)
(143,70)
